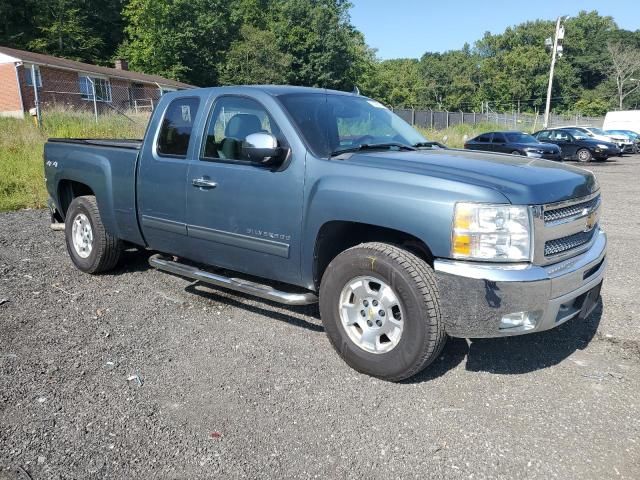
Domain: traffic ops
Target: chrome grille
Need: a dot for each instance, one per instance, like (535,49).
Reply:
(565,229)
(564,244)
(563,213)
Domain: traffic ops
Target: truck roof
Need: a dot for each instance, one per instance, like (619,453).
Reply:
(277,90)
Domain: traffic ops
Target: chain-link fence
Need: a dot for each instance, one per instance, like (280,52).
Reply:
(95,96)
(99,96)
(439,120)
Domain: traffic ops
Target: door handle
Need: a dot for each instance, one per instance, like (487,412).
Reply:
(204,183)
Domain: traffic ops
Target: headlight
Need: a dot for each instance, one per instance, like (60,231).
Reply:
(491,232)
(601,145)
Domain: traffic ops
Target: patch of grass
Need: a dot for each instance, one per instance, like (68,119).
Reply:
(22,143)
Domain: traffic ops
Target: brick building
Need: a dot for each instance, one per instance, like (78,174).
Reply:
(71,84)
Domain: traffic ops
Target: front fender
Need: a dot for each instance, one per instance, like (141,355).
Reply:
(415,204)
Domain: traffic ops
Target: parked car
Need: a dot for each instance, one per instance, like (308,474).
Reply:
(577,145)
(624,143)
(515,143)
(599,134)
(632,136)
(328,196)
(622,120)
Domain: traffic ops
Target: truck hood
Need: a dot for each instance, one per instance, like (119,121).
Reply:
(524,181)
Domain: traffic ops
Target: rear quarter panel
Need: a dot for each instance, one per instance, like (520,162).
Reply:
(109,172)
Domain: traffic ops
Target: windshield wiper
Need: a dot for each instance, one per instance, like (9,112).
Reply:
(372,146)
(429,145)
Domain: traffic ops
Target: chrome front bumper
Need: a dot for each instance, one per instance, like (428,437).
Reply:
(474,297)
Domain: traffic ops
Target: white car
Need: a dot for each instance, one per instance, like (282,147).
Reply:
(623,141)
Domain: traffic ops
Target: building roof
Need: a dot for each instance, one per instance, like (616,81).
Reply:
(57,62)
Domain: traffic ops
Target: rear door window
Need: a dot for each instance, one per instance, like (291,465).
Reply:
(498,138)
(177,126)
(484,138)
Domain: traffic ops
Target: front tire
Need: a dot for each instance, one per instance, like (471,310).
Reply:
(91,248)
(584,155)
(400,331)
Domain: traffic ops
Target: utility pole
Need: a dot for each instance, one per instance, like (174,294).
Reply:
(36,99)
(556,50)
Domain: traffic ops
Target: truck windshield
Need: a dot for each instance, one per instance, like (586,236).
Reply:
(332,123)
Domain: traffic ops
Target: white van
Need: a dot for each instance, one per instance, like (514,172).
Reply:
(622,120)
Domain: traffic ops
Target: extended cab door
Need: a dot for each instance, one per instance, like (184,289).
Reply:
(242,215)
(162,175)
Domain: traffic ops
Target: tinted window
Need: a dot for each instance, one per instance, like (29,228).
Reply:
(498,138)
(175,131)
(485,137)
(544,135)
(231,121)
(560,135)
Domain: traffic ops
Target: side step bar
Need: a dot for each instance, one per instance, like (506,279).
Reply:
(245,286)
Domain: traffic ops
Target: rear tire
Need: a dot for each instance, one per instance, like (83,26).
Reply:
(584,155)
(516,152)
(91,248)
(406,293)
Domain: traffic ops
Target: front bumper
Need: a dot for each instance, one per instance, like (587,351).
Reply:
(474,297)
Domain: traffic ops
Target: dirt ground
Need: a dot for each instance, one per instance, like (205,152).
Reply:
(140,374)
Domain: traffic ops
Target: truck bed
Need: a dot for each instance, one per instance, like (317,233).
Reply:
(107,168)
(131,144)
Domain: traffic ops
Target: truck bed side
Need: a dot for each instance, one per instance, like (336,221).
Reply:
(104,168)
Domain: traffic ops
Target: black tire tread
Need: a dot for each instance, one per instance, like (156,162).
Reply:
(424,279)
(109,247)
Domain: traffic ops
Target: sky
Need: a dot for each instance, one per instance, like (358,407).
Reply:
(409,28)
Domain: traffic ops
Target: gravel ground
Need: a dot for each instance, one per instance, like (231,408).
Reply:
(140,374)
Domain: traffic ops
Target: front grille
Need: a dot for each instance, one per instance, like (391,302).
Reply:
(562,213)
(564,244)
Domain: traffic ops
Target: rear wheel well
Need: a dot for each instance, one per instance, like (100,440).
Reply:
(67,191)
(337,236)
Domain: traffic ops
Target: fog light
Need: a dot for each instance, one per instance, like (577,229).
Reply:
(520,320)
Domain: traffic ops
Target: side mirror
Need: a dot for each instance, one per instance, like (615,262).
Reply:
(261,148)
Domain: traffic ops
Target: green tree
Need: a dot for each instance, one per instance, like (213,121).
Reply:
(255,59)
(320,38)
(181,39)
(64,31)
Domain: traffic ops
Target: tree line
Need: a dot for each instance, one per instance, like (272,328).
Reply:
(314,43)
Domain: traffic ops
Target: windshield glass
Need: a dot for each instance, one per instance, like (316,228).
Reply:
(331,123)
(597,131)
(519,137)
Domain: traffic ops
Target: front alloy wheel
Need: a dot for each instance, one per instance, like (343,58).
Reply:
(380,307)
(371,314)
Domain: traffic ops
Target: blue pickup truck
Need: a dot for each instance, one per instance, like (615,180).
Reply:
(300,195)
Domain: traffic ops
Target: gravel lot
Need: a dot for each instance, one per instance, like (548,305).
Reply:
(139,374)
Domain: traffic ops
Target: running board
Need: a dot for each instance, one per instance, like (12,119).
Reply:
(245,286)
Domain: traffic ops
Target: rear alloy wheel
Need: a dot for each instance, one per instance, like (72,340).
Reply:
(584,155)
(380,308)
(516,152)
(91,248)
